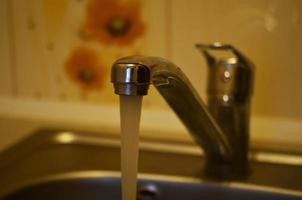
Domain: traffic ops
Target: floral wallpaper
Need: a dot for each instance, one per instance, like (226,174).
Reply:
(114,21)
(71,45)
(107,22)
(85,69)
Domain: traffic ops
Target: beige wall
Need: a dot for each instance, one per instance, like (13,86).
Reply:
(6,86)
(268,32)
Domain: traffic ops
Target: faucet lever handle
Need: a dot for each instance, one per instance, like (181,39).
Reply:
(220,46)
(238,66)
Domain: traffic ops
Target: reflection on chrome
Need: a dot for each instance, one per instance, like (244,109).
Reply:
(66,137)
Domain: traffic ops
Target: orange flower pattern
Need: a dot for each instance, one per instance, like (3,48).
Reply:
(83,68)
(114,21)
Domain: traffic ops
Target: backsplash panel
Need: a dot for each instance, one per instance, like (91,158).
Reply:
(51,38)
(64,49)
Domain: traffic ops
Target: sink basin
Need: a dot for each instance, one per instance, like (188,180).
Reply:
(55,165)
(108,187)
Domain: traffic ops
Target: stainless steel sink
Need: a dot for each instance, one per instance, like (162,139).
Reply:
(55,165)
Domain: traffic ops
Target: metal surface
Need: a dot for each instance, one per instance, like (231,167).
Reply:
(231,73)
(131,79)
(108,187)
(222,129)
(229,89)
(55,165)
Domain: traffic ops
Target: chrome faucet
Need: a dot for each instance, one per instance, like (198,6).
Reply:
(222,127)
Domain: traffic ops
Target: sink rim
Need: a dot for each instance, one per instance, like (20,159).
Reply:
(62,137)
(43,139)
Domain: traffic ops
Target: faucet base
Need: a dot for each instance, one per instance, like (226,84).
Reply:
(226,170)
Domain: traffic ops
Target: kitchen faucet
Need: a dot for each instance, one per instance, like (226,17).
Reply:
(222,127)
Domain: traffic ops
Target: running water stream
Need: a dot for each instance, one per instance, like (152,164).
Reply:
(130,111)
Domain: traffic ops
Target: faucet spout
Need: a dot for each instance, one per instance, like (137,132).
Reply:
(133,75)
